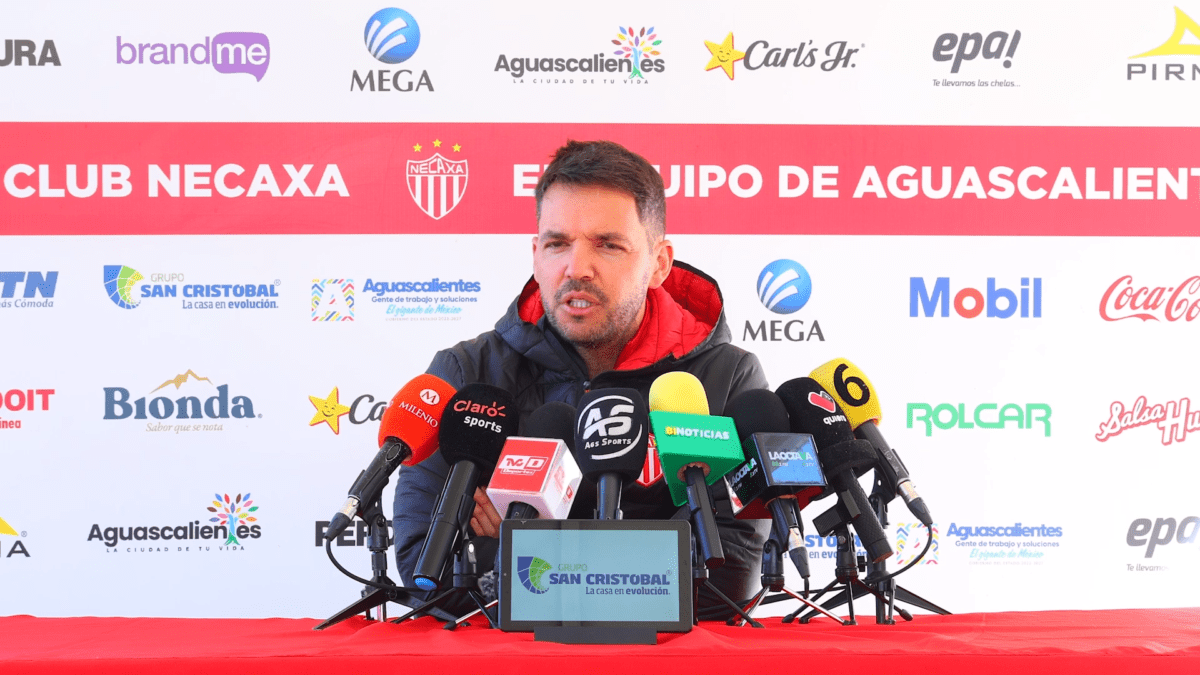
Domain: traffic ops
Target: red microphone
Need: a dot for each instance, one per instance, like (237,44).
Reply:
(408,434)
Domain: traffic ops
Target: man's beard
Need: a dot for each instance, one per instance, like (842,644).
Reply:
(616,325)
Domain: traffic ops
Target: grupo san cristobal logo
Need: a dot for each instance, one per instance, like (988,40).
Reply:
(232,512)
(530,570)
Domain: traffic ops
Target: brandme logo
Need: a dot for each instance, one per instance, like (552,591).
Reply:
(22,400)
(947,416)
(333,300)
(784,287)
(832,56)
(969,302)
(997,46)
(21,290)
(18,547)
(121,284)
(1175,419)
(530,570)
(211,412)
(1185,30)
(1123,300)
(1162,532)
(607,423)
(22,53)
(392,36)
(227,53)
(636,49)
(233,522)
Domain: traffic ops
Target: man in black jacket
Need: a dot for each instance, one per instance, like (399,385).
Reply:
(607,306)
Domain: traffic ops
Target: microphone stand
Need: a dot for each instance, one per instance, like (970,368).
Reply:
(378,544)
(706,544)
(773,581)
(466,580)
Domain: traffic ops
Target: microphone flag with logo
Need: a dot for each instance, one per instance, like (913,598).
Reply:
(476,423)
(611,440)
(813,411)
(407,435)
(537,476)
(858,399)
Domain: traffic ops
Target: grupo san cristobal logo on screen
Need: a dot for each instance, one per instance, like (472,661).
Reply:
(530,570)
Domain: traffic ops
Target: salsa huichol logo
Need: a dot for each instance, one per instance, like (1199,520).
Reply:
(530,570)
(232,512)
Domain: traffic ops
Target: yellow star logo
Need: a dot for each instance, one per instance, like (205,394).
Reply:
(329,410)
(437,143)
(723,55)
(5,528)
(417,147)
(456,147)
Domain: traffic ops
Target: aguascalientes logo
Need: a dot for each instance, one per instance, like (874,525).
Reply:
(231,514)
(530,570)
(333,300)
(910,541)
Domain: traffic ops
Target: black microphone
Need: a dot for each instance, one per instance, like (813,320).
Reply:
(475,424)
(781,474)
(812,410)
(611,438)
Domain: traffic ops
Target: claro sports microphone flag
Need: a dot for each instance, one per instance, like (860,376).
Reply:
(686,435)
(537,476)
(407,435)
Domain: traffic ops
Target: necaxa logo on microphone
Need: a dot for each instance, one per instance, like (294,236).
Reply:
(233,521)
(784,287)
(948,416)
(489,414)
(21,290)
(607,424)
(204,406)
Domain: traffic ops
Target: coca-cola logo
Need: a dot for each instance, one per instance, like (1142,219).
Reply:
(1175,419)
(1125,300)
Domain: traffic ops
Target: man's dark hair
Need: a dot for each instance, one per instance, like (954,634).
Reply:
(609,165)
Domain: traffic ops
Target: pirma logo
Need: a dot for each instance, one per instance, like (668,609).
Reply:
(119,282)
(910,541)
(17,547)
(784,286)
(231,514)
(392,35)
(1183,42)
(530,570)
(333,300)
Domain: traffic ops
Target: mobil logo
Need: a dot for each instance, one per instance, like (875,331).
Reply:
(1000,302)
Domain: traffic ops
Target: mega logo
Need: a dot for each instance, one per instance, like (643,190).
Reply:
(1175,419)
(21,289)
(635,52)
(121,284)
(227,53)
(233,521)
(911,539)
(970,303)
(607,422)
(392,36)
(832,56)
(1123,300)
(1162,532)
(1185,28)
(948,416)
(22,400)
(784,287)
(18,547)
(968,46)
(333,300)
(27,53)
(437,184)
(219,406)
(530,570)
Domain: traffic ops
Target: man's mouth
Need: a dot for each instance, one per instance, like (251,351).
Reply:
(579,303)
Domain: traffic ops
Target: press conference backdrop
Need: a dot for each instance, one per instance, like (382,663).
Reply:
(282,211)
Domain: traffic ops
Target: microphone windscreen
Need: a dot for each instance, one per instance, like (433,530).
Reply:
(476,422)
(811,410)
(414,414)
(612,433)
(553,420)
(852,390)
(758,410)
(678,392)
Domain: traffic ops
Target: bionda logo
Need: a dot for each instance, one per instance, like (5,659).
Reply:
(392,35)
(784,286)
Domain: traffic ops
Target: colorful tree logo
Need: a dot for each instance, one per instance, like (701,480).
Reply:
(231,513)
(636,44)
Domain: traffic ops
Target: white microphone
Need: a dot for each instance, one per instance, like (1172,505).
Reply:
(537,477)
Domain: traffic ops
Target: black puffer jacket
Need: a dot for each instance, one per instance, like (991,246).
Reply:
(684,329)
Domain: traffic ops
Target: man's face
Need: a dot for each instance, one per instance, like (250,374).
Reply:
(593,263)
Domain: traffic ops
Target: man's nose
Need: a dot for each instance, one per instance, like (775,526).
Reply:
(581,262)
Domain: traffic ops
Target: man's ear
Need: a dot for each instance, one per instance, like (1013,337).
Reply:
(664,257)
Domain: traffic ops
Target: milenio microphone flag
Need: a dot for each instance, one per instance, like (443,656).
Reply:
(812,410)
(476,423)
(611,433)
(407,435)
(537,476)
(860,401)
